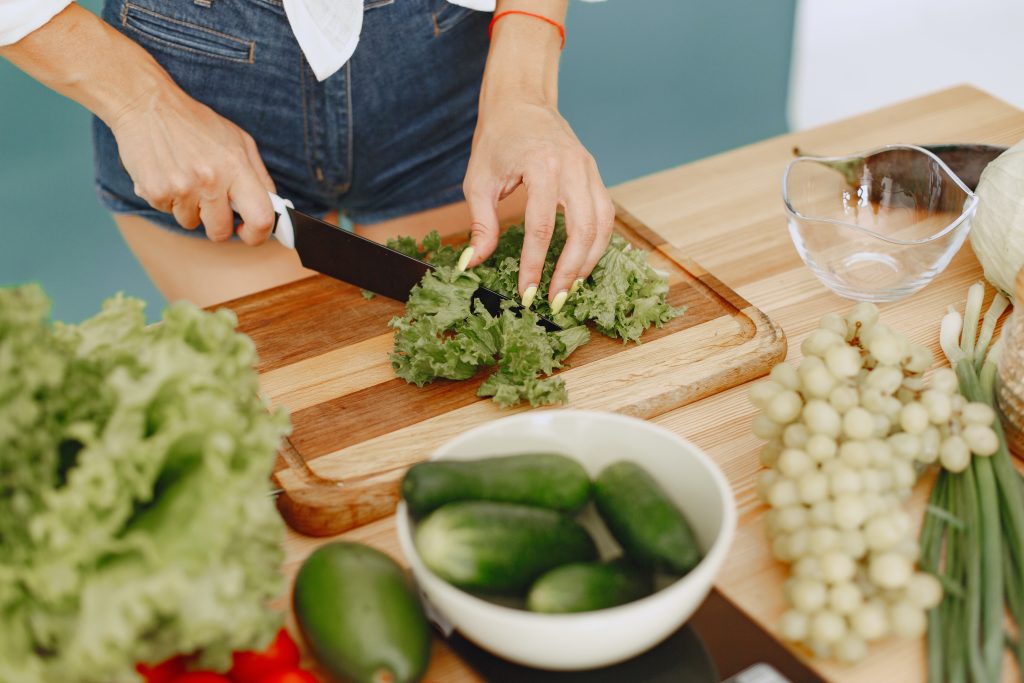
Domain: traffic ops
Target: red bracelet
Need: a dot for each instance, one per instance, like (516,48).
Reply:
(499,15)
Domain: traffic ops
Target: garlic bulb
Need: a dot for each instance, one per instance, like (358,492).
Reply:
(997,232)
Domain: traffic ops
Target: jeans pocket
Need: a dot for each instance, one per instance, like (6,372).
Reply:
(447,16)
(168,32)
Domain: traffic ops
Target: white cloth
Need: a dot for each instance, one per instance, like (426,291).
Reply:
(18,18)
(327,30)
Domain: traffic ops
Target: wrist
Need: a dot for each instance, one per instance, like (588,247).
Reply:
(125,80)
(145,88)
(81,57)
(522,64)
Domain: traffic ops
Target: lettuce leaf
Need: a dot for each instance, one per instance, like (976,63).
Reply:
(624,296)
(443,336)
(135,520)
(527,353)
(508,390)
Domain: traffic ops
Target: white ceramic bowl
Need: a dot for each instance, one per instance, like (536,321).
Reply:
(591,639)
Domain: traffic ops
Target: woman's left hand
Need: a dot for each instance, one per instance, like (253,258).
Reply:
(519,141)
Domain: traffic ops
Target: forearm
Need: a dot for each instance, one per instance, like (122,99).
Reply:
(81,57)
(524,54)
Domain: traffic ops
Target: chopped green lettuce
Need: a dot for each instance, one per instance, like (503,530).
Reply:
(507,390)
(443,335)
(135,520)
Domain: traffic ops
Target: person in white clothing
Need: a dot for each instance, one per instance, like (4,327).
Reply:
(387,111)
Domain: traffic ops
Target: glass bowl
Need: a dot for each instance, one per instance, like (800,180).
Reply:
(879,225)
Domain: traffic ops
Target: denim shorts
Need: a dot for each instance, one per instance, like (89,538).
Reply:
(387,135)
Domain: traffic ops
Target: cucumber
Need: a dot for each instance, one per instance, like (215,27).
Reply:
(646,523)
(588,586)
(542,479)
(499,547)
(360,616)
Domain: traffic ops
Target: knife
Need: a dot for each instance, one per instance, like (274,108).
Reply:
(364,263)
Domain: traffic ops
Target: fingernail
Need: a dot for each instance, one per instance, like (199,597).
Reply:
(576,284)
(529,295)
(464,258)
(558,302)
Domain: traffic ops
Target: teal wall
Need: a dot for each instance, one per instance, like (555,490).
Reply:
(650,84)
(647,84)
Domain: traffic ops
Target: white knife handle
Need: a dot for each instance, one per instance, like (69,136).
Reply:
(283,230)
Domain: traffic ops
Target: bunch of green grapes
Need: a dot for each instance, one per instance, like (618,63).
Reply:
(847,433)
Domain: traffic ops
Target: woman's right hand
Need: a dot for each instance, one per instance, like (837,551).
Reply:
(184,158)
(187,160)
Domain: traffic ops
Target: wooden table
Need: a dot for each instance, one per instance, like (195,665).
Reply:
(726,212)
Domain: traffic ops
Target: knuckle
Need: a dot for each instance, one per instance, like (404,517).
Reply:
(148,192)
(177,184)
(188,222)
(581,159)
(587,232)
(261,222)
(160,197)
(479,231)
(552,164)
(205,174)
(475,188)
(251,239)
(546,165)
(544,229)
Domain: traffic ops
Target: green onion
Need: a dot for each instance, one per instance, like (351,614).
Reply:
(973,532)
(988,327)
(936,516)
(972,313)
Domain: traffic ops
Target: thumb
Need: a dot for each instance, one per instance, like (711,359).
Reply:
(483,238)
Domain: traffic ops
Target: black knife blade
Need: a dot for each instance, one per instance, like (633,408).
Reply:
(364,263)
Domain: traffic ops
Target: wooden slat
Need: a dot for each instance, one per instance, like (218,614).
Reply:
(310,317)
(317,379)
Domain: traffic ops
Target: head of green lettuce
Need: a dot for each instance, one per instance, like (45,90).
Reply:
(134,470)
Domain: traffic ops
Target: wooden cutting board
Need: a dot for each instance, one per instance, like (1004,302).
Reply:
(323,352)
